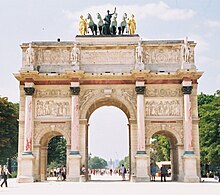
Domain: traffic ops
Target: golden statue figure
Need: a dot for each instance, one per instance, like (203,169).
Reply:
(82,26)
(131,25)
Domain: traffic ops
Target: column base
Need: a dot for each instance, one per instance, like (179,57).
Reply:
(142,174)
(190,170)
(25,168)
(74,168)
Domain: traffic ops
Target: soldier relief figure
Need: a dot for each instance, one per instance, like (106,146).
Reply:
(75,54)
(29,55)
(186,51)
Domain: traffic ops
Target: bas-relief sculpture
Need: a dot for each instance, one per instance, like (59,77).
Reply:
(52,108)
(161,55)
(163,108)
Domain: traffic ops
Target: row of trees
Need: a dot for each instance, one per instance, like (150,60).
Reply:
(209,126)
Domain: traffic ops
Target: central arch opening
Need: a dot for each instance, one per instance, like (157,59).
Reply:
(108,144)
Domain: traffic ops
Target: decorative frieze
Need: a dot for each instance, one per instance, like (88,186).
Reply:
(104,56)
(52,108)
(163,108)
(29,90)
(52,93)
(163,92)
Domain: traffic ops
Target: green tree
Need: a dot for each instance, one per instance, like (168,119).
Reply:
(8,130)
(125,162)
(97,163)
(160,148)
(209,127)
(57,151)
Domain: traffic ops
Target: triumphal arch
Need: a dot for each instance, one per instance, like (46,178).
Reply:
(154,82)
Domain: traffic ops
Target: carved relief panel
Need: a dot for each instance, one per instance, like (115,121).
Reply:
(166,101)
(52,103)
(113,56)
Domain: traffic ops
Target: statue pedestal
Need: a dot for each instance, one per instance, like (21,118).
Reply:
(76,66)
(142,168)
(187,65)
(189,167)
(26,168)
(27,68)
(74,168)
(139,66)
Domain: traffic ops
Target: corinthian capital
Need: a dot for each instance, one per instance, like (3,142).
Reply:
(187,89)
(74,90)
(29,90)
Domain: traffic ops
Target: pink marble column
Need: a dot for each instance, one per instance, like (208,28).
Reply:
(75,120)
(28,124)
(140,119)
(187,89)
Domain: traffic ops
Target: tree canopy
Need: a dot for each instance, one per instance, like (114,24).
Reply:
(57,151)
(209,127)
(97,163)
(8,129)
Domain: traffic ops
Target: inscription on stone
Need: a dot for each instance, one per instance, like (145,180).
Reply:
(52,93)
(125,56)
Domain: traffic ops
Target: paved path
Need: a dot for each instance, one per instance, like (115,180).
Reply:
(114,187)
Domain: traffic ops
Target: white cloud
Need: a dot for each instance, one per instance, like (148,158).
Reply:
(213,23)
(158,10)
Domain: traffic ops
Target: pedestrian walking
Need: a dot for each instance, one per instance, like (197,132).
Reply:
(5,176)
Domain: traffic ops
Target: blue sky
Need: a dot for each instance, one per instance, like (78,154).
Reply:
(46,20)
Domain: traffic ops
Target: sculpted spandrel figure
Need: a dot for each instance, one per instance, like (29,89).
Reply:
(29,55)
(75,55)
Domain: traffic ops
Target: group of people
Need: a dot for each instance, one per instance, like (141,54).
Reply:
(122,171)
(59,173)
(164,172)
(4,175)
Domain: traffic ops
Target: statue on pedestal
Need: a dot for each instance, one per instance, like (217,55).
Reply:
(75,55)
(82,26)
(113,28)
(29,55)
(91,24)
(186,50)
(100,23)
(123,25)
(139,57)
(107,19)
(131,25)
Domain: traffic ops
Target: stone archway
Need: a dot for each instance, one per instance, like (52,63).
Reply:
(42,139)
(173,134)
(100,102)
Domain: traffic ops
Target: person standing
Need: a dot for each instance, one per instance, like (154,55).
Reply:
(123,172)
(5,176)
(152,171)
(163,173)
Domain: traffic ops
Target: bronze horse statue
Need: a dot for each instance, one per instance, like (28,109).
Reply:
(91,24)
